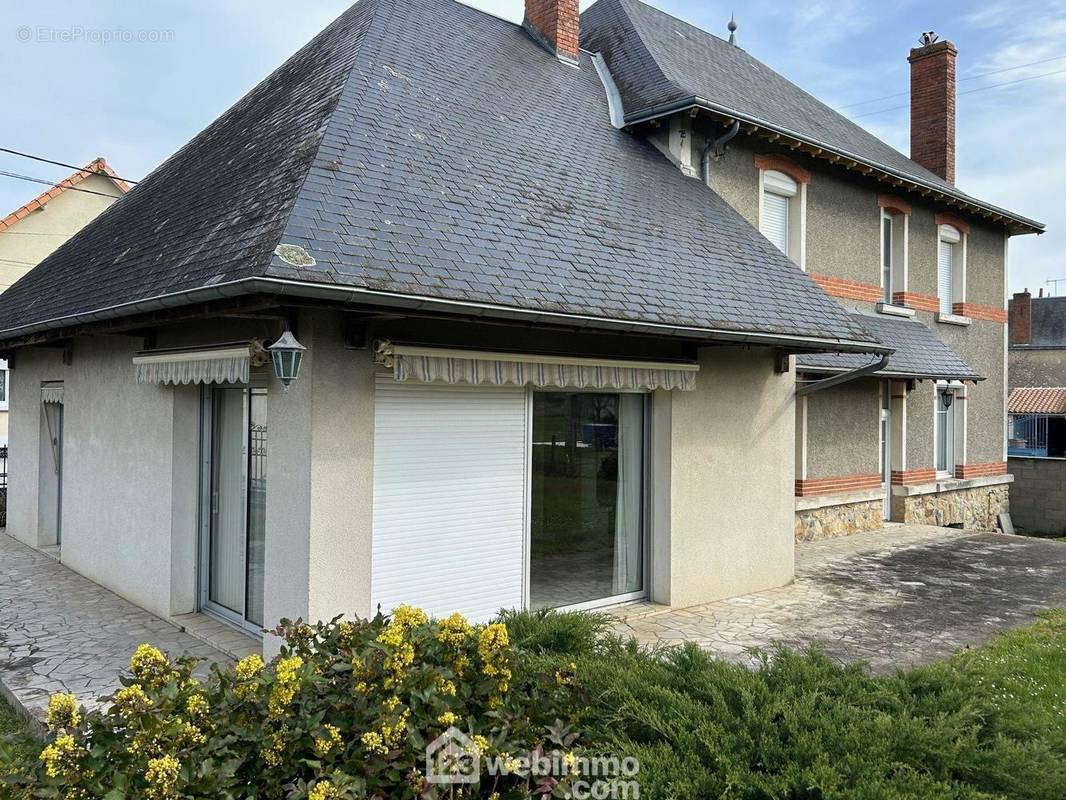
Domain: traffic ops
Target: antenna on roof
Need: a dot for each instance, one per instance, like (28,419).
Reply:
(732,29)
(928,38)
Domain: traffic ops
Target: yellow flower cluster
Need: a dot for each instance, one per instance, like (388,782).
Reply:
(392,734)
(191,735)
(448,718)
(63,712)
(197,705)
(247,669)
(395,636)
(132,699)
(323,790)
(161,775)
(445,686)
(272,754)
(150,666)
(374,742)
(453,630)
(493,647)
(481,743)
(324,745)
(61,756)
(566,678)
(286,684)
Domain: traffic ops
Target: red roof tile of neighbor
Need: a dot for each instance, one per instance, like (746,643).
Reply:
(96,167)
(1037,400)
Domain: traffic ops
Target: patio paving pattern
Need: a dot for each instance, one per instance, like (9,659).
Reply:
(60,632)
(898,597)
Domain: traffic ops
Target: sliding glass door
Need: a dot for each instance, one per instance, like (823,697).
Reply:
(587,497)
(235,427)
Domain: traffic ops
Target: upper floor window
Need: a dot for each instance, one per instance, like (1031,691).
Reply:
(950,268)
(781,213)
(895,216)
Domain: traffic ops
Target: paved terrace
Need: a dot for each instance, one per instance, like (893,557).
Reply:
(900,596)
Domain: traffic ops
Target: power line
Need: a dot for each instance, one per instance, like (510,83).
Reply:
(961,80)
(44,160)
(37,233)
(15,261)
(968,91)
(53,183)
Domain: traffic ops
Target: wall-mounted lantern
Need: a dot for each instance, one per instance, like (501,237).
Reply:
(287,354)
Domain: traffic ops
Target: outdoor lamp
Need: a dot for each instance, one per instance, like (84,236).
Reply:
(286,354)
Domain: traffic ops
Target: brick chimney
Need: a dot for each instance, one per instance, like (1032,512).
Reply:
(933,105)
(1021,318)
(554,23)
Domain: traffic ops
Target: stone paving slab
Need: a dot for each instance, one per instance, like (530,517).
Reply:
(898,597)
(60,632)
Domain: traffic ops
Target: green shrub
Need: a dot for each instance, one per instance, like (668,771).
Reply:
(345,711)
(568,633)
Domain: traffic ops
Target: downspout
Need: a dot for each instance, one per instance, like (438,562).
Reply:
(844,377)
(716,147)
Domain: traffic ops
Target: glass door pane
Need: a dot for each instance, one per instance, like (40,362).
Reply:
(257,461)
(227,543)
(586,538)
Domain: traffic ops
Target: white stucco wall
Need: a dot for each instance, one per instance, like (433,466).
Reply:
(320,478)
(731,452)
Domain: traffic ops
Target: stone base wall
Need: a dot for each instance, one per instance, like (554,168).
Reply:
(974,509)
(832,521)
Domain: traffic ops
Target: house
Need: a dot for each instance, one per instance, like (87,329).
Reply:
(919,263)
(32,231)
(442,312)
(1036,369)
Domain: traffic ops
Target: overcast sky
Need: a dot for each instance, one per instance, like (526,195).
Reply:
(136,102)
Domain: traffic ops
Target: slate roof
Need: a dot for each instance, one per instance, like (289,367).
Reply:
(660,63)
(427,149)
(1037,400)
(1048,315)
(918,352)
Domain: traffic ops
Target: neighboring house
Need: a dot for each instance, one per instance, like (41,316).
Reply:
(34,230)
(544,366)
(1036,369)
(920,264)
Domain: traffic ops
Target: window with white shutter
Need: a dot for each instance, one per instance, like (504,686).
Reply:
(780,201)
(948,264)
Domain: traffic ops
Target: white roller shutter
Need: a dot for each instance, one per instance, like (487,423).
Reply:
(944,271)
(775,220)
(450,505)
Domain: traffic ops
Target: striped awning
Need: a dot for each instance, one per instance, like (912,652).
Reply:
(52,393)
(427,364)
(230,364)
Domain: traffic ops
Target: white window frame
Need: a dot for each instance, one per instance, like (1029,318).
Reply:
(900,253)
(5,395)
(773,181)
(958,433)
(949,234)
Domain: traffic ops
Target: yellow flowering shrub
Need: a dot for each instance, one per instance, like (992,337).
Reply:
(345,711)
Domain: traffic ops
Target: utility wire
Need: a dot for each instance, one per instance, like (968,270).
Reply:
(44,160)
(15,261)
(961,80)
(53,183)
(968,91)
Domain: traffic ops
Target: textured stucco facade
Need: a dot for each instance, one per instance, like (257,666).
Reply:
(1037,367)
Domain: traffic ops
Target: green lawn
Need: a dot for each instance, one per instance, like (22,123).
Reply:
(986,723)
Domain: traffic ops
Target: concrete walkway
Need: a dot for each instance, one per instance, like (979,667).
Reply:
(60,632)
(898,597)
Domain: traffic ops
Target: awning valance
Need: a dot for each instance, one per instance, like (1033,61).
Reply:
(476,367)
(229,364)
(52,393)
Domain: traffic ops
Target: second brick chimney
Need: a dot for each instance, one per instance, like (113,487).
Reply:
(554,23)
(1021,318)
(933,106)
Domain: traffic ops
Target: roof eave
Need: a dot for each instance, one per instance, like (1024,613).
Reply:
(280,287)
(900,374)
(1016,224)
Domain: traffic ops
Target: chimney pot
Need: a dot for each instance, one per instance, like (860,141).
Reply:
(556,25)
(1020,326)
(933,106)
